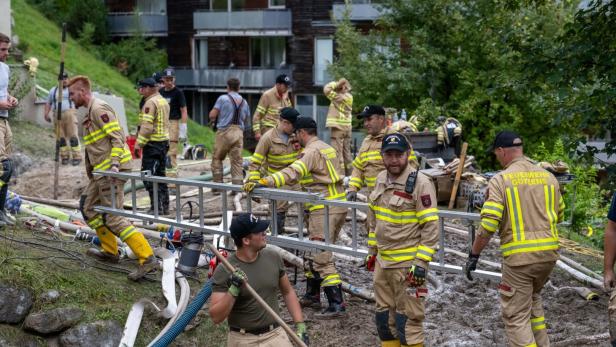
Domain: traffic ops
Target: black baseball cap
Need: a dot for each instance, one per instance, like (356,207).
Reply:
(168,72)
(147,82)
(395,142)
(283,79)
(304,123)
(64,75)
(370,110)
(505,139)
(290,114)
(245,224)
(157,76)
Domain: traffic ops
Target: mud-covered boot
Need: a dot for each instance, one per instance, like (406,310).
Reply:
(102,255)
(149,266)
(312,297)
(336,308)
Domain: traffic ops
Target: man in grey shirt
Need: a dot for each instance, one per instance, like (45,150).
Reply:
(228,115)
(7,102)
(68,123)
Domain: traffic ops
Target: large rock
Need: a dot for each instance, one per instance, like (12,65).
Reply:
(96,334)
(11,336)
(15,303)
(53,321)
(49,296)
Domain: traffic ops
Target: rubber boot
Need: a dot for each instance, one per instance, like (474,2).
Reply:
(216,177)
(140,247)
(312,297)
(336,307)
(109,243)
(280,218)
(5,217)
(150,265)
(390,343)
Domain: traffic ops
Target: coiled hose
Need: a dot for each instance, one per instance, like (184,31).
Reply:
(191,311)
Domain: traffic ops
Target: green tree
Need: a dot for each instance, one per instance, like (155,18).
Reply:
(135,57)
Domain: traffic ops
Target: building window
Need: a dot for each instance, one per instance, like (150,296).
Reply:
(277,3)
(201,54)
(305,105)
(267,52)
(323,56)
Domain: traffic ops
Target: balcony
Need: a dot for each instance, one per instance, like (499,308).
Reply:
(359,12)
(243,23)
(129,23)
(215,79)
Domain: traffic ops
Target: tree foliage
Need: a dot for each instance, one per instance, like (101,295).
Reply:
(136,57)
(491,64)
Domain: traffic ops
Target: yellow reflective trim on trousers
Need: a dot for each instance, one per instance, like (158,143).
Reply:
(391,216)
(515,211)
(127,233)
(331,280)
(427,215)
(548,191)
(425,253)
(528,246)
(403,254)
(537,323)
(489,224)
(371,238)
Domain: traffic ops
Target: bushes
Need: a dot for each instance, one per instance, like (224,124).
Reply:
(135,57)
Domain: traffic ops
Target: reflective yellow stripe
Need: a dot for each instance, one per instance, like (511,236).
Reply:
(257,158)
(427,215)
(116,152)
(403,254)
(561,209)
(306,180)
(146,118)
(254,175)
(279,180)
(268,123)
(110,127)
(96,222)
(358,164)
(356,182)
(127,233)
(531,345)
(549,208)
(425,253)
(494,208)
(261,109)
(103,165)
(537,323)
(528,246)
(385,214)
(490,224)
(142,140)
(282,159)
(515,211)
(331,280)
(300,167)
(371,238)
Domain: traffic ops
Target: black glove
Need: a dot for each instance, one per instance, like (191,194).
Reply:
(351,195)
(416,276)
(471,265)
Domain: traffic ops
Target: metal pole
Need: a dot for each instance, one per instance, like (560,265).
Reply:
(201,223)
(59,114)
(300,221)
(178,207)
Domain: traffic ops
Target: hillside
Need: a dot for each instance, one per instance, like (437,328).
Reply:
(39,37)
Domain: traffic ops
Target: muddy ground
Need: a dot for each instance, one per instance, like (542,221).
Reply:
(458,314)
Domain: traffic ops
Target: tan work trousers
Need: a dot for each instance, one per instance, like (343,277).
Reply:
(69,142)
(172,153)
(399,309)
(284,205)
(323,262)
(229,141)
(275,338)
(341,141)
(98,192)
(6,139)
(521,307)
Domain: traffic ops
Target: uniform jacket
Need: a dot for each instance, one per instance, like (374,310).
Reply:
(268,109)
(154,120)
(317,170)
(339,112)
(272,153)
(104,139)
(369,162)
(523,205)
(406,224)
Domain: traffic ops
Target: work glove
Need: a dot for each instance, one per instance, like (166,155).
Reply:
(351,195)
(302,333)
(370,261)
(183,131)
(416,276)
(237,279)
(471,265)
(250,186)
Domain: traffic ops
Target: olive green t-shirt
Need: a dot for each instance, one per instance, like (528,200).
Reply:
(263,276)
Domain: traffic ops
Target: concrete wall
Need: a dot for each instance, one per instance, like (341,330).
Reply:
(5,17)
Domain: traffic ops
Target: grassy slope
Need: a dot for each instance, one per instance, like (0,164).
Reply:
(42,39)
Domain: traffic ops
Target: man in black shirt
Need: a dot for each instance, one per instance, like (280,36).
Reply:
(178,117)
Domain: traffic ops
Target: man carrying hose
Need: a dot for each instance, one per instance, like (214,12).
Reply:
(263,269)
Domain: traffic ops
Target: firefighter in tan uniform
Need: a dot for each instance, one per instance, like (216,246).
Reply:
(317,170)
(275,151)
(403,203)
(523,206)
(369,162)
(449,133)
(271,102)
(339,119)
(106,149)
(153,137)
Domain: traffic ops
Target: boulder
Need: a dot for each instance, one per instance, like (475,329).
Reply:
(49,296)
(11,336)
(97,334)
(53,321)
(15,303)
